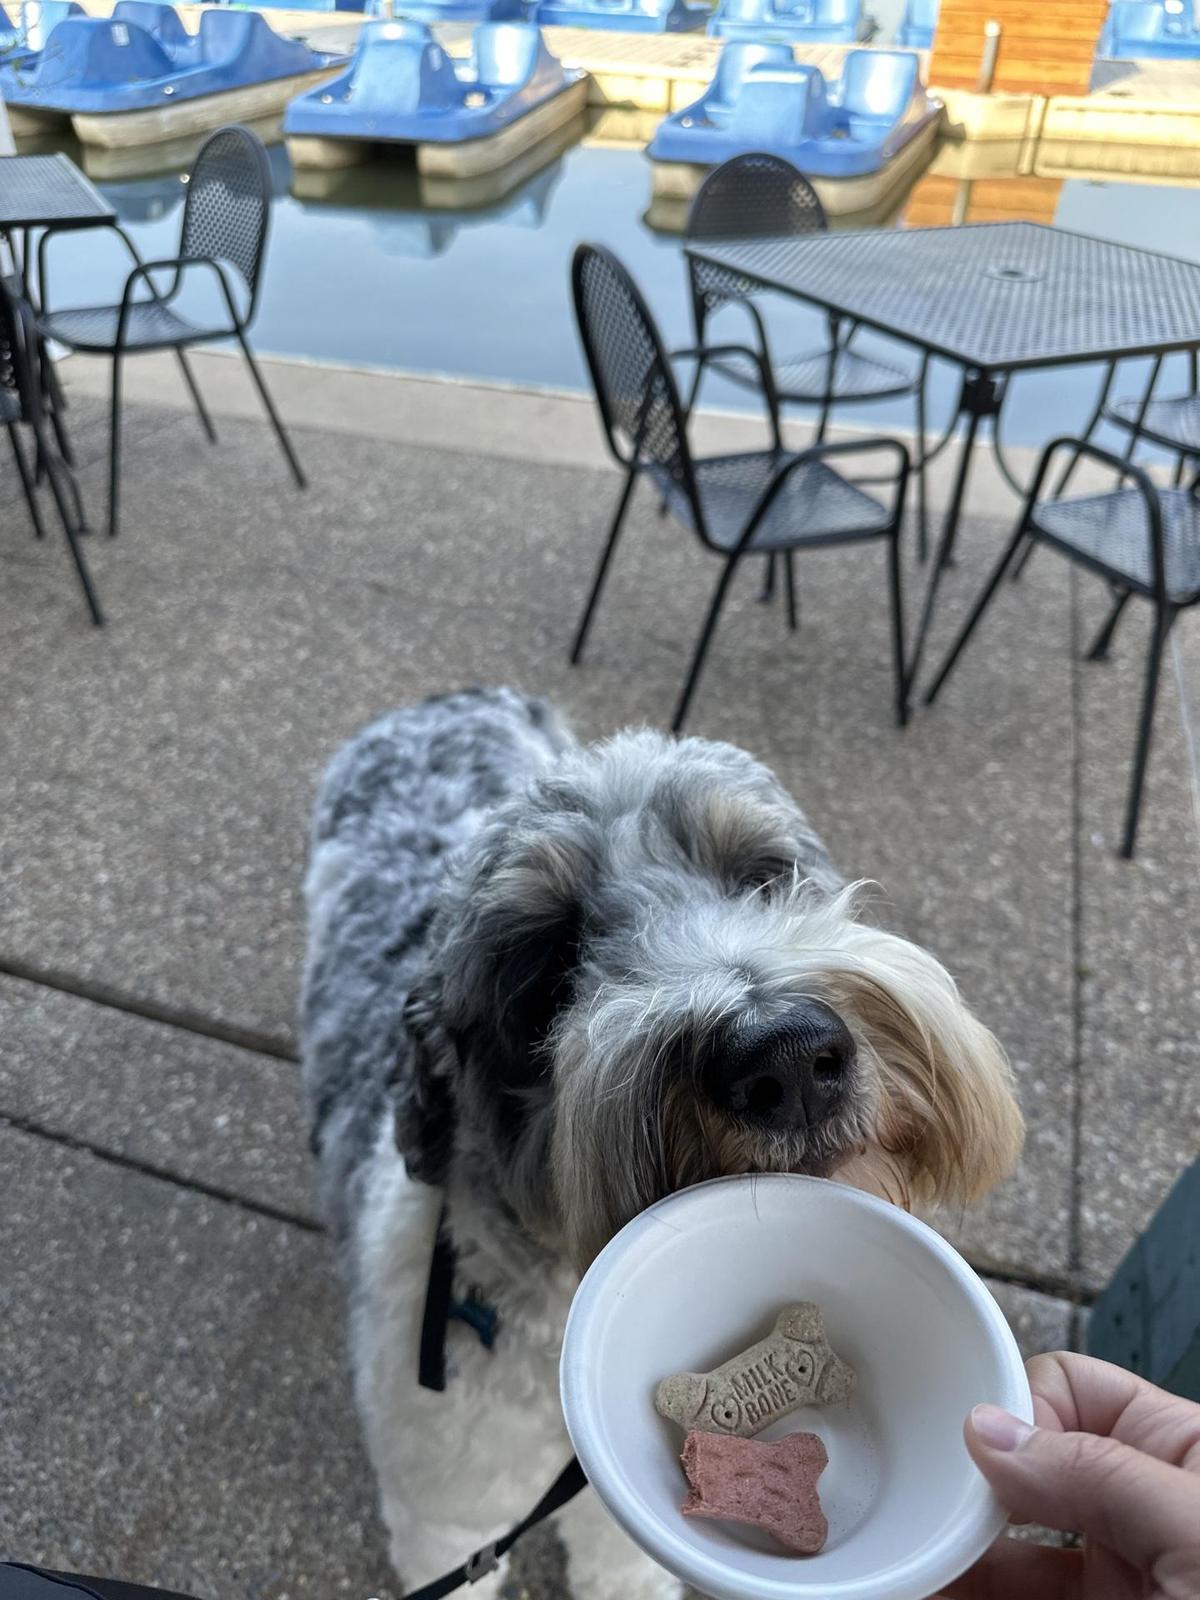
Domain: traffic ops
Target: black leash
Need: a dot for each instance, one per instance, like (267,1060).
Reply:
(440,1308)
(565,1487)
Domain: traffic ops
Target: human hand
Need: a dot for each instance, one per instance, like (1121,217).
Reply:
(1111,1458)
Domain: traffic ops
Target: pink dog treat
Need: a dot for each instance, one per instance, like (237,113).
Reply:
(771,1486)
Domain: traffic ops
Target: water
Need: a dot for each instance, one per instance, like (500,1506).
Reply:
(368,267)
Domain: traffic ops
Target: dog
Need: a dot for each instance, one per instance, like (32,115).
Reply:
(546,985)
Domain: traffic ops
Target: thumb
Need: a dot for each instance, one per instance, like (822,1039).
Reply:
(1132,1504)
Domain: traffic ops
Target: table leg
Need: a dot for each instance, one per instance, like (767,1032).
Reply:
(945,545)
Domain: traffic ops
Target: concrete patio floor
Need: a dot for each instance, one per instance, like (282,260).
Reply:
(174,1403)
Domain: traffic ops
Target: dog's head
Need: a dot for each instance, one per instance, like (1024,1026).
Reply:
(645,973)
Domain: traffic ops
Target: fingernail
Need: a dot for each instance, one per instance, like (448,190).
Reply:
(999,1430)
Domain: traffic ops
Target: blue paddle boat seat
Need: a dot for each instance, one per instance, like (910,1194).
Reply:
(23,34)
(1146,29)
(917,29)
(458,10)
(851,126)
(402,87)
(798,21)
(623,16)
(143,57)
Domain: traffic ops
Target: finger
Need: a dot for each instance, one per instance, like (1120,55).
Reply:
(1029,1570)
(1079,1394)
(1127,1501)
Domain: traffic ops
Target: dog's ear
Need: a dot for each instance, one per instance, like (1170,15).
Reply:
(426,1108)
(948,1112)
(526,977)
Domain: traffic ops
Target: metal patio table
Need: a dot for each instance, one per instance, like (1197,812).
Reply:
(46,192)
(994,298)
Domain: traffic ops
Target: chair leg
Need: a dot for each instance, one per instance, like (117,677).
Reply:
(1023,561)
(26,482)
(1162,626)
(897,607)
(767,593)
(922,506)
(980,607)
(269,406)
(606,554)
(1099,646)
(710,623)
(58,404)
(189,377)
(85,577)
(114,450)
(789,576)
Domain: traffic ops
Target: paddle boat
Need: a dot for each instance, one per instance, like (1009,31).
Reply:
(139,76)
(919,25)
(1150,29)
(796,21)
(622,16)
(464,116)
(856,138)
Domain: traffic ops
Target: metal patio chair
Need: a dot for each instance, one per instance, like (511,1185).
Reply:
(225,223)
(1141,540)
(22,403)
(756,502)
(762,196)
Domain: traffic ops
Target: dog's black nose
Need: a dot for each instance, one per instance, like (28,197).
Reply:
(786,1074)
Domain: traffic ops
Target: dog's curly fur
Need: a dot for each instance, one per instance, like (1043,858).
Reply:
(522,955)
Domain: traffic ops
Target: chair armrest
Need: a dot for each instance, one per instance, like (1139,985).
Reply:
(1108,458)
(819,452)
(703,354)
(179,265)
(112,227)
(1144,483)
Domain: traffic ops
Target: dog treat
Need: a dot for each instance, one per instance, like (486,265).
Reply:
(792,1367)
(771,1486)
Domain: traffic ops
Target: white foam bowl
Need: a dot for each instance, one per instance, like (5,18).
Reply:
(702,1275)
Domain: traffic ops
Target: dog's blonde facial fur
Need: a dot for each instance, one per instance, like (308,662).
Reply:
(933,1118)
(605,931)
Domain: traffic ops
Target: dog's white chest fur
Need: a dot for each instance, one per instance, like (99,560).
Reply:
(459,1467)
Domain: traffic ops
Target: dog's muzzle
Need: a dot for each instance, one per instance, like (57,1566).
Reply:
(788,1075)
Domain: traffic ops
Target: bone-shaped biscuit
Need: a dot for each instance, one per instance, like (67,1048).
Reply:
(771,1486)
(794,1366)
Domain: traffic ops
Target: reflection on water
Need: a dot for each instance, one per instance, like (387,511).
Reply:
(378,266)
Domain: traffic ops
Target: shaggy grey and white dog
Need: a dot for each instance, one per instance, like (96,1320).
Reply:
(548,984)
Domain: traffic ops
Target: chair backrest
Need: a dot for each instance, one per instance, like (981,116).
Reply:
(736,61)
(506,53)
(756,195)
(1136,22)
(781,106)
(878,84)
(161,22)
(635,387)
(837,14)
(96,53)
(228,205)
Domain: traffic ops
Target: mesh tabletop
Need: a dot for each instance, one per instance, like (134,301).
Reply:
(36,191)
(996,296)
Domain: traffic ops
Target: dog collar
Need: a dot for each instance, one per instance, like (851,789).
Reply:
(441,1308)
